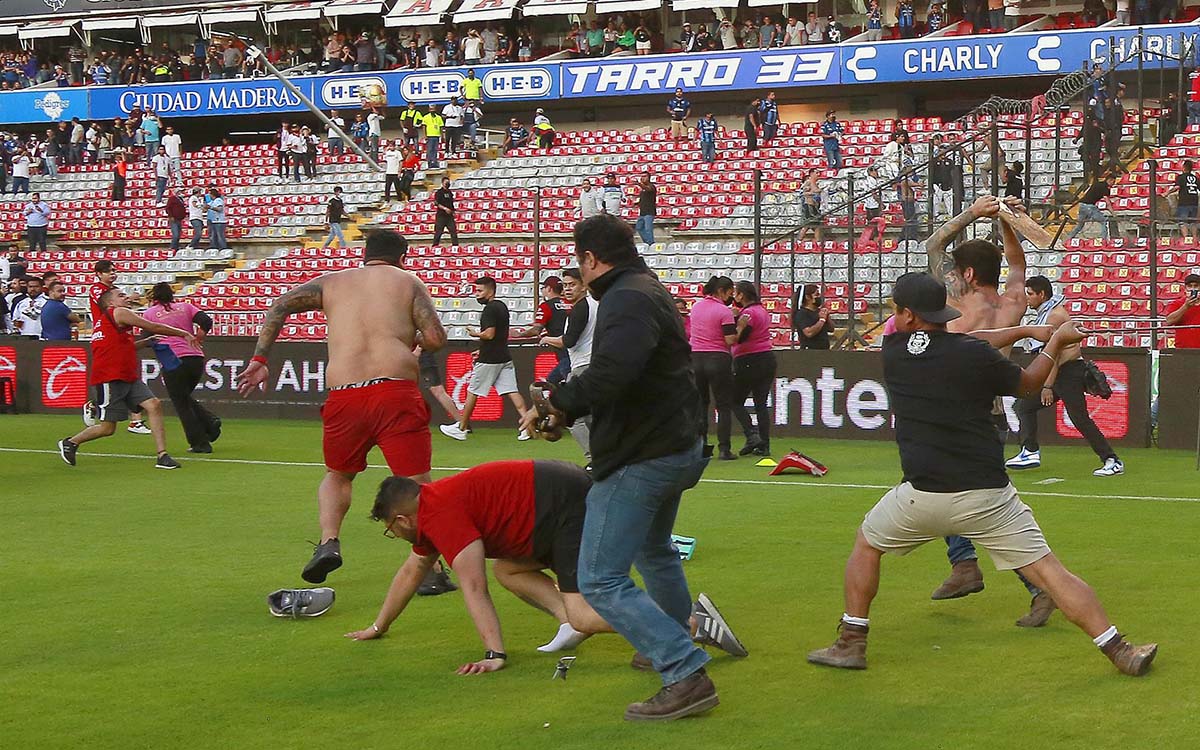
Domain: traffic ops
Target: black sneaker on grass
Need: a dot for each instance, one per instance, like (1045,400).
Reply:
(214,429)
(67,450)
(437,581)
(327,557)
(166,462)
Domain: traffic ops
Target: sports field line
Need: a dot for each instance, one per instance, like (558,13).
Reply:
(814,484)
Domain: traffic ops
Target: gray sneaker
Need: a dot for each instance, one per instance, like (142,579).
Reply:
(712,630)
(300,602)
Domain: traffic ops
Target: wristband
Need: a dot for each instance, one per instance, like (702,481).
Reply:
(259,359)
(495,655)
(1047,356)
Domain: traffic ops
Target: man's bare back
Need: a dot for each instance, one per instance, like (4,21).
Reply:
(375,315)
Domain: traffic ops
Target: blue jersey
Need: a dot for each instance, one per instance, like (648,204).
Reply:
(770,112)
(708,130)
(56,321)
(904,16)
(679,107)
(830,130)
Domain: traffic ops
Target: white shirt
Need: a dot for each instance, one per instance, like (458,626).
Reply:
(162,165)
(90,138)
(433,57)
(173,143)
(375,124)
(20,166)
(392,159)
(540,120)
(581,354)
(29,313)
(472,48)
(330,132)
(591,202)
(870,197)
(294,143)
(728,37)
(453,114)
(196,208)
(613,198)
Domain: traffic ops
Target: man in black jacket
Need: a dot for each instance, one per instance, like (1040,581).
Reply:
(642,397)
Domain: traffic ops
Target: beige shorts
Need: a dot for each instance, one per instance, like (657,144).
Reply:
(678,128)
(997,520)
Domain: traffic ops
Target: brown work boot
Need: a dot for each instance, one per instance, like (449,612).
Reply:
(1130,659)
(1040,609)
(641,663)
(965,578)
(849,651)
(692,695)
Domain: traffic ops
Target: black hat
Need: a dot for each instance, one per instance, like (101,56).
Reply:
(922,294)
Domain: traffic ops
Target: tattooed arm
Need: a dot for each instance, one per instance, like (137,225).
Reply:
(430,334)
(303,298)
(941,265)
(1014,254)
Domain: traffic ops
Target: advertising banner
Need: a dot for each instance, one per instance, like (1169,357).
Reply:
(249,96)
(1179,399)
(816,395)
(1008,55)
(43,105)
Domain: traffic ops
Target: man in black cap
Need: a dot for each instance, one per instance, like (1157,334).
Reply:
(941,386)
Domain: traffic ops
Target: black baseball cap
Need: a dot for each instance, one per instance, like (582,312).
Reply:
(925,296)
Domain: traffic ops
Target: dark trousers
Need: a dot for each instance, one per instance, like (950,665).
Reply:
(118,189)
(405,188)
(388,182)
(440,225)
(751,139)
(769,131)
(754,376)
(197,421)
(1068,387)
(281,160)
(37,238)
(714,379)
(310,164)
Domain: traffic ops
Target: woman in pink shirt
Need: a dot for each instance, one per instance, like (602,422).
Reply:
(753,368)
(713,331)
(183,365)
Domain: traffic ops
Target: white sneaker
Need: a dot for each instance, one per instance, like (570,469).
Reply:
(453,431)
(138,428)
(1111,468)
(523,435)
(1025,460)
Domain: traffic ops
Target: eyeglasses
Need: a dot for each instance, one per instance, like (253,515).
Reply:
(387,530)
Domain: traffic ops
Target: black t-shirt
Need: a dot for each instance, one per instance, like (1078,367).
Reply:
(646,201)
(495,350)
(337,210)
(803,318)
(751,117)
(1189,188)
(1097,192)
(1014,186)
(942,387)
(444,197)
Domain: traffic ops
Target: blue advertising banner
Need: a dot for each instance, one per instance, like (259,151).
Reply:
(722,71)
(436,85)
(43,105)
(1007,55)
(249,96)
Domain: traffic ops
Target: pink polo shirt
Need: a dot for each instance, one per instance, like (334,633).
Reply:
(759,338)
(180,315)
(711,321)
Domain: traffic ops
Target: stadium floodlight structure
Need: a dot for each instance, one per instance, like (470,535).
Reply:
(253,51)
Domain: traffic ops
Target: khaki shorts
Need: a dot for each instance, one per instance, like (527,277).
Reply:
(679,128)
(997,520)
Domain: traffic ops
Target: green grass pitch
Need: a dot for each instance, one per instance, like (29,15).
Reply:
(133,612)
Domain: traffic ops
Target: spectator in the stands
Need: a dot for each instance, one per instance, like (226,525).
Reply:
(151,135)
(451,49)
(793,33)
(996,14)
(413,55)
(906,19)
(37,222)
(687,40)
(472,48)
(120,172)
(934,20)
(706,130)
(410,123)
(875,22)
(614,197)
(161,164)
(384,58)
(173,143)
(231,60)
(408,170)
(445,217)
(591,200)
(1094,12)
(543,129)
(57,320)
(452,113)
(1012,14)
(433,124)
(1114,125)
(810,318)
(1169,119)
(728,34)
(1187,188)
(51,151)
(333,140)
(814,30)
(75,150)
(831,139)
(1186,312)
(750,125)
(769,118)
(472,87)
(374,132)
(335,214)
(433,53)
(834,32)
(1089,209)
(472,116)
(196,208)
(749,34)
(679,109)
(176,212)
(218,219)
(393,158)
(810,205)
(941,176)
(1014,181)
(358,131)
(766,34)
(642,39)
(21,164)
(517,136)
(647,208)
(524,45)
(310,140)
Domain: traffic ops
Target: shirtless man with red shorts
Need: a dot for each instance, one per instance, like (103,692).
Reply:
(375,316)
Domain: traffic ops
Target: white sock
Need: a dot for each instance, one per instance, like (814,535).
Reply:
(862,622)
(1104,638)
(566,638)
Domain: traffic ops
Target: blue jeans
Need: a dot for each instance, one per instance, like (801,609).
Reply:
(335,232)
(833,154)
(216,231)
(197,233)
(560,371)
(1089,212)
(431,150)
(176,228)
(160,188)
(630,515)
(20,185)
(960,549)
(335,146)
(708,151)
(151,152)
(51,167)
(645,229)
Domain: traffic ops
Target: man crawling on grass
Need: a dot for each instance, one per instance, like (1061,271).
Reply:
(528,517)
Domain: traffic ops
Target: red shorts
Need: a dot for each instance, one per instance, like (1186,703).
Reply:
(391,414)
